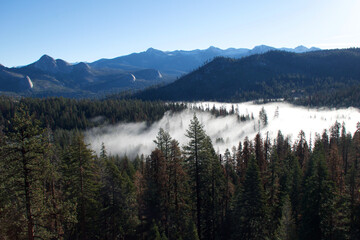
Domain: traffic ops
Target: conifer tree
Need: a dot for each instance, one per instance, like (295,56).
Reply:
(260,154)
(245,157)
(318,200)
(119,202)
(251,212)
(194,152)
(302,150)
(163,141)
(154,233)
(295,191)
(179,192)
(287,227)
(239,162)
(23,174)
(156,188)
(81,182)
(215,208)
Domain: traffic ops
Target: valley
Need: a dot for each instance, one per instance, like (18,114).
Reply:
(225,131)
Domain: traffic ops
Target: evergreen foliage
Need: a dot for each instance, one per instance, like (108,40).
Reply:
(53,186)
(251,211)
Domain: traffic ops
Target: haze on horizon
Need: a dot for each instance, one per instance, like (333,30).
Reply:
(89,30)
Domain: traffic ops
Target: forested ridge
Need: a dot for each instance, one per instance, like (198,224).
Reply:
(261,189)
(69,114)
(274,74)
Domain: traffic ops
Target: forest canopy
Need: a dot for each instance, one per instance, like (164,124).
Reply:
(55,187)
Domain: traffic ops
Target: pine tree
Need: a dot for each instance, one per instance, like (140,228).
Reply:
(245,158)
(23,177)
(287,227)
(215,207)
(263,119)
(191,233)
(295,191)
(273,189)
(302,150)
(154,233)
(81,182)
(260,154)
(163,141)
(335,164)
(119,202)
(179,192)
(251,211)
(194,152)
(318,200)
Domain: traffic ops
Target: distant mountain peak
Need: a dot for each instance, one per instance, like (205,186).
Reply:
(301,48)
(46,59)
(153,50)
(45,56)
(50,65)
(82,65)
(261,49)
(212,47)
(261,46)
(46,63)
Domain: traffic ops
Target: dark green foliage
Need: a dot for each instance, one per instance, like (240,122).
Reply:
(339,97)
(81,185)
(53,186)
(318,200)
(156,201)
(207,182)
(197,163)
(24,170)
(119,216)
(287,226)
(31,194)
(275,74)
(191,232)
(64,113)
(154,233)
(251,211)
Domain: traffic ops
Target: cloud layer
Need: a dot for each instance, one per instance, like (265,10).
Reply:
(137,138)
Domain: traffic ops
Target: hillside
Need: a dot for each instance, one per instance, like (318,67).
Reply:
(56,77)
(50,77)
(275,74)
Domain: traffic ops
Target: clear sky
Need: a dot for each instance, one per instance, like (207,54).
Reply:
(78,30)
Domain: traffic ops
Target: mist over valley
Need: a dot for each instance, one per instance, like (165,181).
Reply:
(133,139)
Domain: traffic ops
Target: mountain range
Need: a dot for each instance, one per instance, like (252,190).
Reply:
(274,74)
(50,77)
(177,63)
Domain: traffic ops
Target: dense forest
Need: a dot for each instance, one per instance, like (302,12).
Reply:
(339,98)
(275,74)
(69,114)
(54,186)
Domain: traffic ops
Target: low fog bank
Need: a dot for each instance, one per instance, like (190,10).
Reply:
(137,138)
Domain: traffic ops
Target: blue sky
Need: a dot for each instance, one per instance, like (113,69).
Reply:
(80,30)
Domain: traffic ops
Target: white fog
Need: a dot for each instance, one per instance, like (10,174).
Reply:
(137,138)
